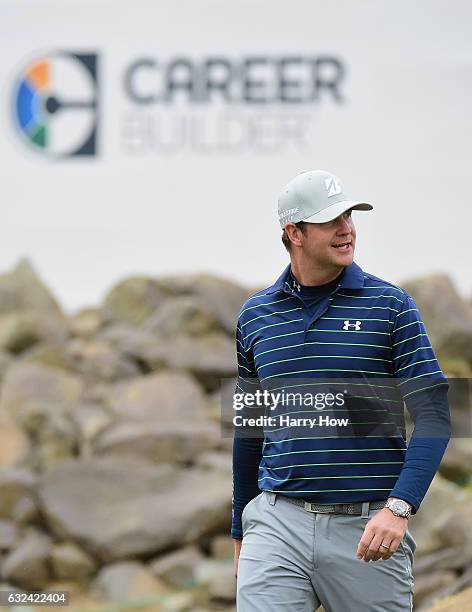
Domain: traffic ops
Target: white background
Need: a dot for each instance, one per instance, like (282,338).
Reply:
(401,141)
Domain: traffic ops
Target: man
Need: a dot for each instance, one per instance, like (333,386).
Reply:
(318,518)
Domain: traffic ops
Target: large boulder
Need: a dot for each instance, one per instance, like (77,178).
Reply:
(9,535)
(461,602)
(208,357)
(98,360)
(22,289)
(162,397)
(159,442)
(447,316)
(217,577)
(433,583)
(177,568)
(456,464)
(183,315)
(119,508)
(220,296)
(22,329)
(15,446)
(28,564)
(90,420)
(426,526)
(50,354)
(133,300)
(127,580)
(70,562)
(17,487)
(28,384)
(86,323)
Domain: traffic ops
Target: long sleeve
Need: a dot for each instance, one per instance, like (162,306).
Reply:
(247,451)
(424,389)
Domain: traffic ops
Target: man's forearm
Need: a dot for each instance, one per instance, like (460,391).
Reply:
(426,448)
(247,454)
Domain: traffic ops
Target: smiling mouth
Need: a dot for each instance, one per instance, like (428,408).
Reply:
(343,246)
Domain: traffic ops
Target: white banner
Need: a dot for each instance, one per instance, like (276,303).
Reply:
(154,138)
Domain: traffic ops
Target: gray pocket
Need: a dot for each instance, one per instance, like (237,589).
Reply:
(248,506)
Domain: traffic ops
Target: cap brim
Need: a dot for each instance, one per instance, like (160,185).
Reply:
(333,211)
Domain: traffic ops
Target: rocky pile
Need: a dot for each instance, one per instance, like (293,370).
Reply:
(115,478)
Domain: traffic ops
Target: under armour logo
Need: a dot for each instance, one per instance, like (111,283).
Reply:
(347,325)
(296,285)
(333,186)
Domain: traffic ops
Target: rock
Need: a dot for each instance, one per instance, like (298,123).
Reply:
(462,602)
(27,384)
(23,329)
(208,357)
(78,596)
(222,547)
(456,368)
(178,567)
(212,460)
(441,496)
(28,564)
(97,360)
(90,420)
(15,446)
(159,443)
(182,316)
(8,535)
(456,464)
(179,602)
(448,317)
(126,339)
(126,580)
(162,397)
(15,485)
(5,361)
(221,296)
(427,585)
(56,440)
(218,578)
(50,355)
(454,528)
(25,511)
(69,562)
(445,558)
(119,508)
(133,300)
(22,289)
(86,323)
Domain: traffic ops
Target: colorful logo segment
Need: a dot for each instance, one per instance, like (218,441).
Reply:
(56,104)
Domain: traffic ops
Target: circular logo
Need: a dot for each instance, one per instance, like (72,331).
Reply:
(55,104)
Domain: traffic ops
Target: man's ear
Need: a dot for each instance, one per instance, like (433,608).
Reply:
(293,233)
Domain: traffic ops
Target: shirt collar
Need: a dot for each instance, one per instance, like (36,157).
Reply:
(351,278)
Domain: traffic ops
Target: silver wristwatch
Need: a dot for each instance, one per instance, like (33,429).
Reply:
(399,507)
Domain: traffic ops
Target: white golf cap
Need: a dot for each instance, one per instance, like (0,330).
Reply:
(315,196)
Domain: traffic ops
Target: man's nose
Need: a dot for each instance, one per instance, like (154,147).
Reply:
(344,226)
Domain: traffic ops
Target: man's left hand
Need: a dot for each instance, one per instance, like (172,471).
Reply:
(383,528)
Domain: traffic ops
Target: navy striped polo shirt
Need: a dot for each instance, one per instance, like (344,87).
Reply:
(356,327)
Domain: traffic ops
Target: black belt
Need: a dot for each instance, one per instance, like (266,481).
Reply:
(352,508)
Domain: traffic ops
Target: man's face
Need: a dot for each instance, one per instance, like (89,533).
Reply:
(321,241)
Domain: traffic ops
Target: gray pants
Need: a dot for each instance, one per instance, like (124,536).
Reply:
(294,560)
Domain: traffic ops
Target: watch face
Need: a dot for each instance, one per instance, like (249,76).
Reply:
(400,506)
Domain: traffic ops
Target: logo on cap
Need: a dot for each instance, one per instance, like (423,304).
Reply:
(287,215)
(333,186)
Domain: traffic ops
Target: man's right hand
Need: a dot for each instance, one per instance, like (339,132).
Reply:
(237,550)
